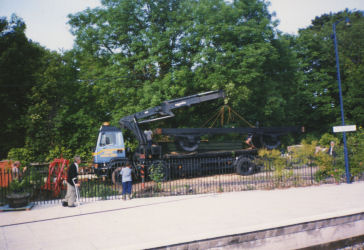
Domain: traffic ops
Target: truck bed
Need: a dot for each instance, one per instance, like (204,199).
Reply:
(217,153)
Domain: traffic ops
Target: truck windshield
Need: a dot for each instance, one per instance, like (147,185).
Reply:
(110,138)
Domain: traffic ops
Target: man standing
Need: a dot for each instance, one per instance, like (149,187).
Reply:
(126,180)
(148,133)
(72,180)
(332,151)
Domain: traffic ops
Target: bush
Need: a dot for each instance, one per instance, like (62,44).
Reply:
(274,156)
(310,153)
(304,154)
(58,152)
(356,149)
(327,138)
(95,189)
(156,173)
(35,178)
(20,154)
(19,186)
(329,166)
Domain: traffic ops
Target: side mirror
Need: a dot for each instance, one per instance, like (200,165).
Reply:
(128,150)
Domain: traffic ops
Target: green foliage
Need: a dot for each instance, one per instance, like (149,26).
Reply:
(132,144)
(95,189)
(19,186)
(311,154)
(274,156)
(19,62)
(318,82)
(355,144)
(132,55)
(151,54)
(311,138)
(58,152)
(35,178)
(327,138)
(30,181)
(20,154)
(329,167)
(156,173)
(304,153)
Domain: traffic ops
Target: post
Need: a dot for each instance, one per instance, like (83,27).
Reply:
(341,100)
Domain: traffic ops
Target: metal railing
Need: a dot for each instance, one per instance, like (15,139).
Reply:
(173,177)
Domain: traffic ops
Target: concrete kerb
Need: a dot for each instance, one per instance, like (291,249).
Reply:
(254,236)
(262,236)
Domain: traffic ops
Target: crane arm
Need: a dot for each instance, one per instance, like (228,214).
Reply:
(164,111)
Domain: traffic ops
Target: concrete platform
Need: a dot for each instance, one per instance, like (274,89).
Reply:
(277,219)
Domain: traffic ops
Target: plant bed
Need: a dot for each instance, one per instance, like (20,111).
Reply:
(17,200)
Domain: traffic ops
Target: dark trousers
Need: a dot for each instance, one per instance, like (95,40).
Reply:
(127,187)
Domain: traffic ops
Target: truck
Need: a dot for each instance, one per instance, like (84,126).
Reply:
(111,153)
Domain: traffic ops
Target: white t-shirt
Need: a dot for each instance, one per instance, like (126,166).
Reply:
(148,134)
(126,174)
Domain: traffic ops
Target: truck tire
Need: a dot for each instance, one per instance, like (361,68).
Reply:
(244,166)
(114,168)
(116,177)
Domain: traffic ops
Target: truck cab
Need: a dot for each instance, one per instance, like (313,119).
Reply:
(110,147)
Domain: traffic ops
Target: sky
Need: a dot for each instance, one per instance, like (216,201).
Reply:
(46,20)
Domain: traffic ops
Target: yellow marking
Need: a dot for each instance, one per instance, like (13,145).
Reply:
(107,151)
(108,155)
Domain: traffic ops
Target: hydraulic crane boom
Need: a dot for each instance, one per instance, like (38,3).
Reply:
(164,111)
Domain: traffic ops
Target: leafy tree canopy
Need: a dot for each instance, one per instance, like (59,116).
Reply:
(19,60)
(153,51)
(316,53)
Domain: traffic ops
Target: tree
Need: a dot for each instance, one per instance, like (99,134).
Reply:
(316,55)
(45,109)
(19,60)
(158,50)
(131,55)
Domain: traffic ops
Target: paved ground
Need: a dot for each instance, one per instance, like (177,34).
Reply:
(152,222)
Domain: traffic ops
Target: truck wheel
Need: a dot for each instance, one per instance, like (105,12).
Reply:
(112,166)
(116,177)
(244,166)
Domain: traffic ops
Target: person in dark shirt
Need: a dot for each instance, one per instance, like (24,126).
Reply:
(72,180)
(331,150)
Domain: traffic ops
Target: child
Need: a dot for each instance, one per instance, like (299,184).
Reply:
(126,180)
